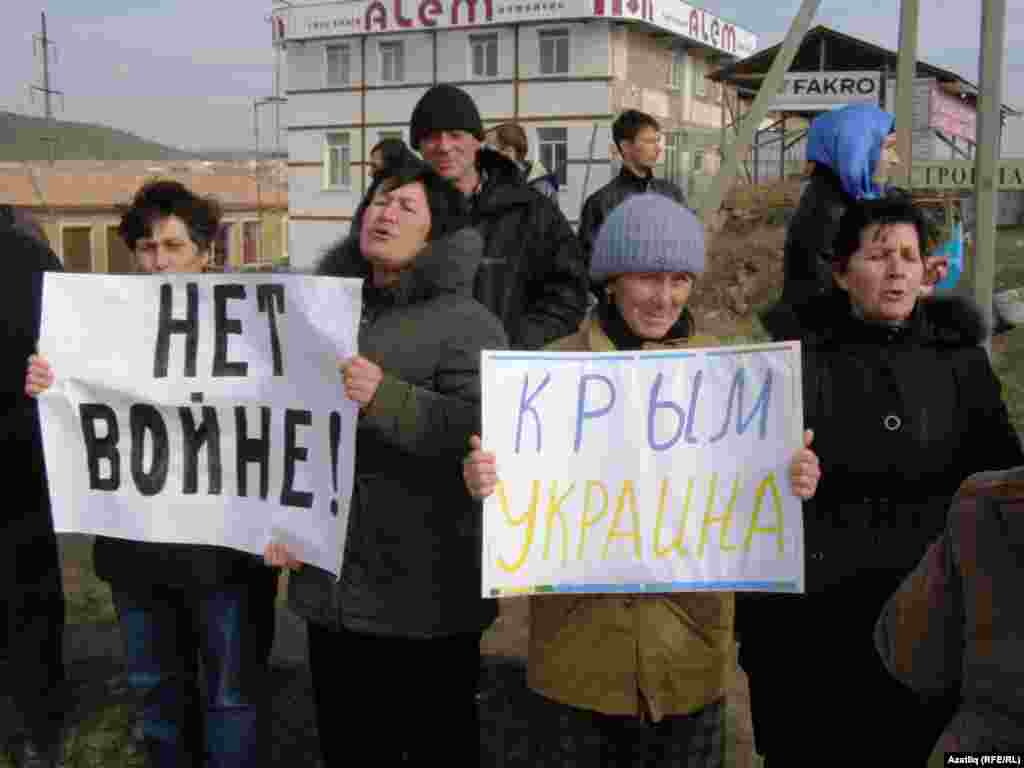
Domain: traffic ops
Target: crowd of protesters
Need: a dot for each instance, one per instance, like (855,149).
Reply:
(908,634)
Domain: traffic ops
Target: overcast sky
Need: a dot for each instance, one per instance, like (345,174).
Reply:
(185,72)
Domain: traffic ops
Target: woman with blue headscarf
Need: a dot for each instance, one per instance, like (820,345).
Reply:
(850,150)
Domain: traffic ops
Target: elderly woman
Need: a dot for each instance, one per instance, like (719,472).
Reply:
(394,644)
(177,602)
(904,405)
(635,675)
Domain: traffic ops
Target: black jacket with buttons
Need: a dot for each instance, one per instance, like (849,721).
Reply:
(901,417)
(611,195)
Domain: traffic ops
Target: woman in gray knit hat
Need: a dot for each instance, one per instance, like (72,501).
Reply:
(627,675)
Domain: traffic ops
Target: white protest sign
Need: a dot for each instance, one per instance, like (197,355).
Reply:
(643,471)
(203,409)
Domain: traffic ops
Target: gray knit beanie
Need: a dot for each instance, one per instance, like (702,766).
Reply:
(648,233)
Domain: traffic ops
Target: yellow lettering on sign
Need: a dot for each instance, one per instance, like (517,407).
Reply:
(529,519)
(588,522)
(768,484)
(677,541)
(555,503)
(710,519)
(613,533)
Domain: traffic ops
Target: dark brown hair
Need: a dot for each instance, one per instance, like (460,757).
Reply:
(159,199)
(512,135)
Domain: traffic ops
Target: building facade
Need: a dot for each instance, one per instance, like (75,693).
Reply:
(79,204)
(562,68)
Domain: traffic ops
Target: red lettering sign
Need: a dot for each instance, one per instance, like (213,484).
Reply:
(488,11)
(401,20)
(376,13)
(429,11)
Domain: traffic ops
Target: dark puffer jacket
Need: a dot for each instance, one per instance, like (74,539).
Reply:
(412,557)
(611,195)
(533,275)
(807,256)
(901,416)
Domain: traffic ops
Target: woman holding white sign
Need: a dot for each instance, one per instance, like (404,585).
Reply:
(176,602)
(904,405)
(635,673)
(394,644)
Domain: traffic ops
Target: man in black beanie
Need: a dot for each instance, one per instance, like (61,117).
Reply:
(534,275)
(31,596)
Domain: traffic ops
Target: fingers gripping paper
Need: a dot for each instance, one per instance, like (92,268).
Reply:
(201,409)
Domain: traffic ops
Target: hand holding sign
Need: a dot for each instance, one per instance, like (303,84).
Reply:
(480,470)
(362,378)
(38,377)
(805,471)
(279,556)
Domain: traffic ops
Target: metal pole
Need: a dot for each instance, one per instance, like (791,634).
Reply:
(906,66)
(46,72)
(769,90)
(586,173)
(992,62)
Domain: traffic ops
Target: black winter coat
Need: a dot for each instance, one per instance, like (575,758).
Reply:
(532,275)
(611,195)
(25,521)
(807,257)
(901,417)
(413,552)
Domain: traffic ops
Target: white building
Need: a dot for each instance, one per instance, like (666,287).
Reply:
(562,68)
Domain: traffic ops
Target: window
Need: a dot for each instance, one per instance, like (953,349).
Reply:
(120,260)
(339,65)
(698,162)
(554,151)
(77,250)
(676,69)
(699,83)
(337,161)
(392,62)
(222,245)
(672,157)
(251,241)
(484,52)
(554,52)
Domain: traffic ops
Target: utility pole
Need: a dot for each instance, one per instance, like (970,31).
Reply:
(990,123)
(906,68)
(42,44)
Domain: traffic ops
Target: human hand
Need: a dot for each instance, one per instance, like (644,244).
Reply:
(480,470)
(361,378)
(279,556)
(39,376)
(805,471)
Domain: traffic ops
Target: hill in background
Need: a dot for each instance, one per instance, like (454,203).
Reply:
(23,138)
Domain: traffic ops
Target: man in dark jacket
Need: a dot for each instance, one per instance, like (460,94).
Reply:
(33,600)
(533,277)
(637,136)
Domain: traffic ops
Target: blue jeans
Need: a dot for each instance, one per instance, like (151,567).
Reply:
(165,630)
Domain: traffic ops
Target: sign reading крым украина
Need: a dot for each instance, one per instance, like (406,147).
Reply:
(643,472)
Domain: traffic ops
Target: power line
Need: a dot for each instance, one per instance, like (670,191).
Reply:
(41,45)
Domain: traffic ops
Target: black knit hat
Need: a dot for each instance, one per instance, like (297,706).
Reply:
(444,108)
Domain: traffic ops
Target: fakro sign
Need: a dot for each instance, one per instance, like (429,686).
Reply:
(818,91)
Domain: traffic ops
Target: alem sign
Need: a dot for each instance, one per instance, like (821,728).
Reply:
(819,91)
(376,16)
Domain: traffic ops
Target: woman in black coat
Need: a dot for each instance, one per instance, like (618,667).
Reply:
(904,406)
